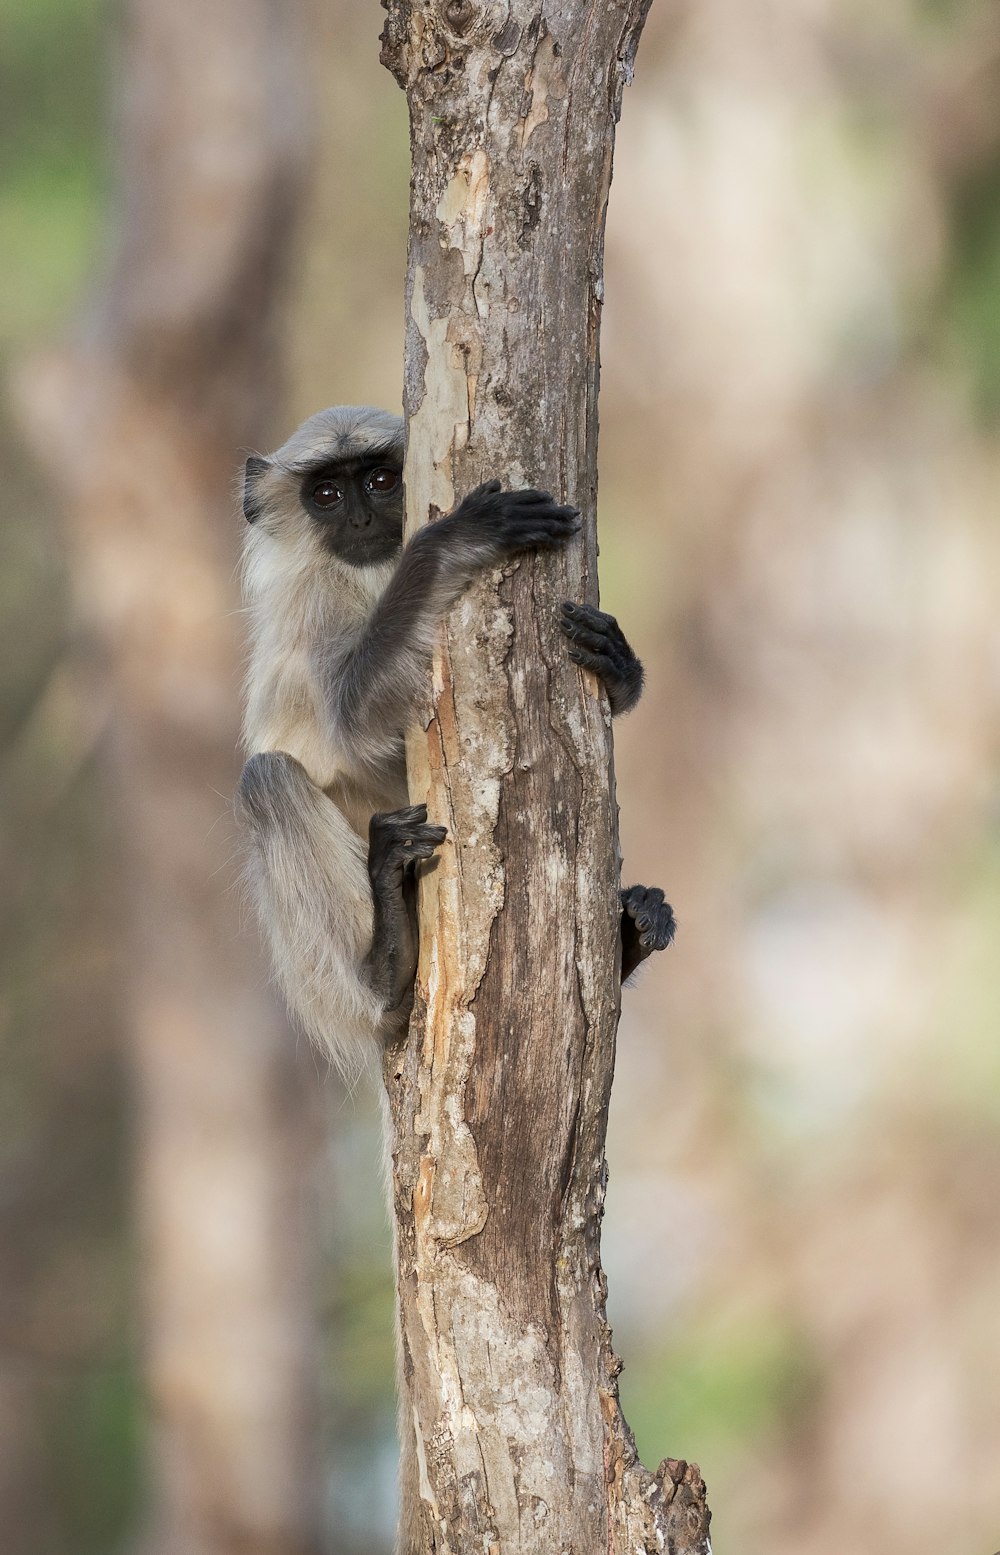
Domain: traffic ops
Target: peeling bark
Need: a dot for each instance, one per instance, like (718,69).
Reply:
(513,1438)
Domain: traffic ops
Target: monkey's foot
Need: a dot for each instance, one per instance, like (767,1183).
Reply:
(599,644)
(397,839)
(648,924)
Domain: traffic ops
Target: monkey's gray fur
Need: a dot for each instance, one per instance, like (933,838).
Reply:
(342,627)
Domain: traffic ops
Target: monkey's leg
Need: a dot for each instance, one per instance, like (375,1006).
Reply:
(648,924)
(308,873)
(396,840)
(599,644)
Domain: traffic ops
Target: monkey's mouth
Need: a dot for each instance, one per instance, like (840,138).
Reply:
(364,549)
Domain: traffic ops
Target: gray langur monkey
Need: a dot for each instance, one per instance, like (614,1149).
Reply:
(343,620)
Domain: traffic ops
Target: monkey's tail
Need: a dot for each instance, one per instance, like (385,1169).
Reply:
(308,876)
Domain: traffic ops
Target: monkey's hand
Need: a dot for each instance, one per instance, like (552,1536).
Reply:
(501,523)
(599,644)
(648,924)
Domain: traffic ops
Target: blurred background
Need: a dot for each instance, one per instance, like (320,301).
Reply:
(202,239)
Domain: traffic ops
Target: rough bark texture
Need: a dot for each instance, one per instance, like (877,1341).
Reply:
(141,417)
(513,1438)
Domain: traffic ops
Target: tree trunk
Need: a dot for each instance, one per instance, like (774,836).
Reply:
(513,1438)
(143,419)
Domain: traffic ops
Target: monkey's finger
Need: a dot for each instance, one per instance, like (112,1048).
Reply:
(652,915)
(554,522)
(419,833)
(589,615)
(538,540)
(523,533)
(530,500)
(397,826)
(540,503)
(411,814)
(419,842)
(551,541)
(601,664)
(656,922)
(597,642)
(387,825)
(487,489)
(645,902)
(530,496)
(422,847)
(633,899)
(661,932)
(587,618)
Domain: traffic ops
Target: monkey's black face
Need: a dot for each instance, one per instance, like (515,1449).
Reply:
(357,506)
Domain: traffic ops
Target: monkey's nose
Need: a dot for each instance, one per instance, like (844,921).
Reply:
(360,520)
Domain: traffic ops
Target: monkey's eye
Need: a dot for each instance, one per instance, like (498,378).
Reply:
(382,480)
(327,494)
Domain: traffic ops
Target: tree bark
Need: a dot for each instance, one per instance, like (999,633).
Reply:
(512,1434)
(142,417)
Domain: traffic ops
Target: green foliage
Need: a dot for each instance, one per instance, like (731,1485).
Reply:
(94,1437)
(51,175)
(713,1395)
(48,237)
(63,1242)
(945,15)
(970,295)
(361,1325)
(964,1049)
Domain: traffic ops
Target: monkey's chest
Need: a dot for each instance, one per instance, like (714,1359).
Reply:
(359,802)
(289,717)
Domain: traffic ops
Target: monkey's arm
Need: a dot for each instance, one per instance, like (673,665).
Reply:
(372,691)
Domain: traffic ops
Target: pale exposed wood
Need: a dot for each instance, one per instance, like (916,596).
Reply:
(513,1439)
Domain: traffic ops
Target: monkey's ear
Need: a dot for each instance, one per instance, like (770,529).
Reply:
(255,467)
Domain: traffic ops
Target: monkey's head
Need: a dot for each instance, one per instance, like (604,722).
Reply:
(337,482)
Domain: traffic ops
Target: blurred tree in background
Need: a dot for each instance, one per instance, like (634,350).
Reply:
(68,1396)
(799,459)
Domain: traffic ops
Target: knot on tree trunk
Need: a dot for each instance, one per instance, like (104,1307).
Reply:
(683,1491)
(459,15)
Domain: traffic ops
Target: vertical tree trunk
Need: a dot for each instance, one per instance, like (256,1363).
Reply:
(513,1439)
(143,418)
